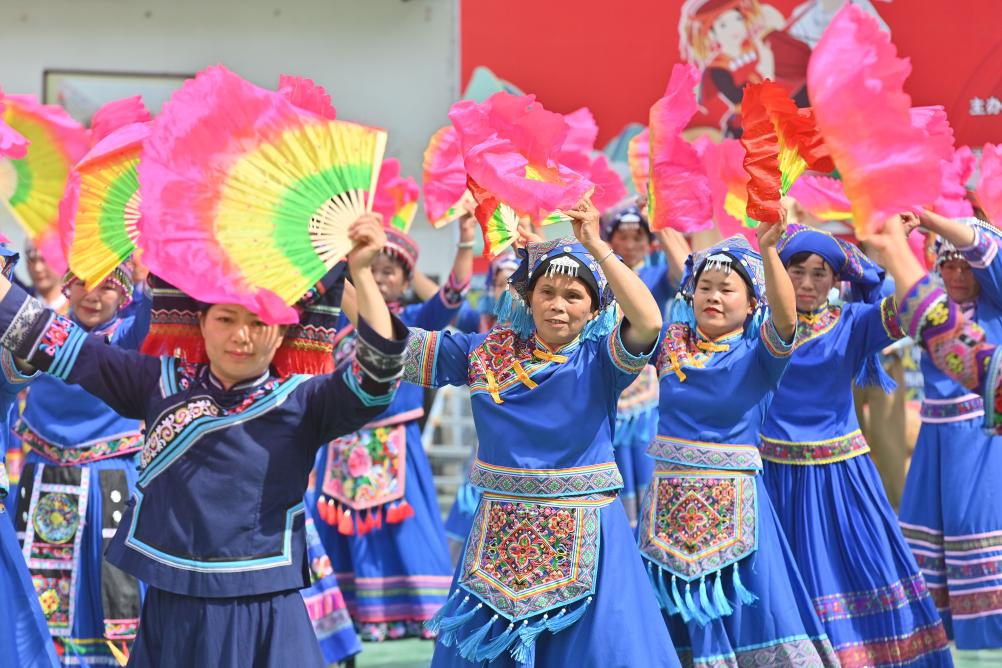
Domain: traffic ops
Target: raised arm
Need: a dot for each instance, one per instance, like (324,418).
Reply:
(638,305)
(778,287)
(677,250)
(369,238)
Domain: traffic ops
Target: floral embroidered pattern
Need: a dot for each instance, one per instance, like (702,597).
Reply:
(889,318)
(546,482)
(952,410)
(794,652)
(895,651)
(367,468)
(680,348)
(732,457)
(77,456)
(812,325)
(814,452)
(524,558)
(861,603)
(172,424)
(693,524)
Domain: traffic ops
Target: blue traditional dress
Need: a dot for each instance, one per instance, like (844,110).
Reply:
(721,567)
(25,640)
(550,575)
(79,470)
(215,526)
(383,528)
(949,515)
(867,588)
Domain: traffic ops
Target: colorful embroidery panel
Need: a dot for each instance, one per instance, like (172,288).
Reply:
(889,318)
(681,347)
(504,360)
(732,457)
(623,358)
(774,343)
(861,603)
(693,523)
(898,651)
(524,558)
(546,482)
(788,652)
(814,452)
(367,468)
(77,456)
(938,411)
(812,325)
(420,357)
(981,253)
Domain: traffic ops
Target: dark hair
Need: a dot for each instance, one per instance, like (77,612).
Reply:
(800,258)
(397,260)
(737,269)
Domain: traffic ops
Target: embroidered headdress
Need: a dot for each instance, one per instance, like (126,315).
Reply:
(567,257)
(120,278)
(624,215)
(847,262)
(308,346)
(733,254)
(400,246)
(945,251)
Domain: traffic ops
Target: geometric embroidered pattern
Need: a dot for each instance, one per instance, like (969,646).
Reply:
(419,357)
(790,652)
(812,325)
(505,360)
(622,357)
(524,558)
(693,524)
(861,603)
(367,468)
(730,456)
(938,411)
(814,452)
(897,651)
(546,482)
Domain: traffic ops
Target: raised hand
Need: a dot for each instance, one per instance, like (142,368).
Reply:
(369,237)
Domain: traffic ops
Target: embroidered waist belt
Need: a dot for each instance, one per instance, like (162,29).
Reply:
(547,483)
(728,456)
(60,456)
(937,411)
(814,452)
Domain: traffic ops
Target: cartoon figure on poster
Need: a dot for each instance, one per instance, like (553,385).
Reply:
(736,42)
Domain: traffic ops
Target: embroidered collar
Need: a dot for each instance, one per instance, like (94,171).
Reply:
(239,387)
(559,355)
(813,316)
(815,323)
(717,344)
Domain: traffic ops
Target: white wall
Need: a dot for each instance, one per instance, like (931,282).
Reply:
(390,63)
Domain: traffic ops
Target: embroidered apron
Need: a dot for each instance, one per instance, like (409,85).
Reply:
(699,516)
(367,469)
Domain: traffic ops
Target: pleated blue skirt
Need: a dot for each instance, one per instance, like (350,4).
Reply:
(865,584)
(951,516)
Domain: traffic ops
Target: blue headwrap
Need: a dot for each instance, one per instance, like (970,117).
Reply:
(849,264)
(733,254)
(560,256)
(624,214)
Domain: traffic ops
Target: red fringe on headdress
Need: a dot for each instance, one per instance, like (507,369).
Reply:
(183,341)
(301,357)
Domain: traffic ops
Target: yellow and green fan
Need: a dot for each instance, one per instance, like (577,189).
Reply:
(99,214)
(32,186)
(247,199)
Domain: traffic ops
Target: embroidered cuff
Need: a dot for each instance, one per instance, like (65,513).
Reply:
(379,359)
(623,358)
(981,253)
(453,292)
(774,343)
(919,301)
(14,377)
(889,318)
(34,333)
(420,357)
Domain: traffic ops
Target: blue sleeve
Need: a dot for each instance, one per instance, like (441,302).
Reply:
(135,321)
(437,358)
(875,327)
(773,353)
(622,366)
(124,379)
(344,401)
(468,319)
(436,313)
(12,380)
(982,255)
(656,279)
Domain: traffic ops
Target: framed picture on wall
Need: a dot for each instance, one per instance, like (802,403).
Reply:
(82,92)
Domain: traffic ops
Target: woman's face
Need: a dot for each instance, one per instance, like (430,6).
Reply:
(240,346)
(500,280)
(730,31)
(959,281)
(632,244)
(721,302)
(97,306)
(390,277)
(561,306)
(812,281)
(40,273)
